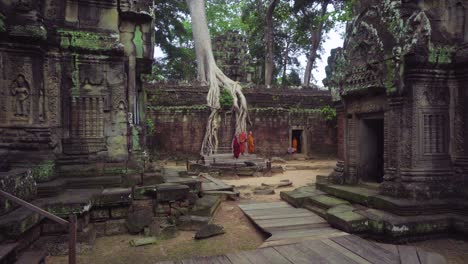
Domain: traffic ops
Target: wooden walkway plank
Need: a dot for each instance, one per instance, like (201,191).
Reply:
(274,256)
(430,258)
(259,206)
(280,216)
(345,252)
(304,233)
(290,241)
(297,256)
(266,256)
(290,221)
(330,254)
(366,250)
(277,211)
(238,257)
(389,247)
(408,255)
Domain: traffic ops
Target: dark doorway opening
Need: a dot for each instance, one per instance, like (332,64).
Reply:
(372,150)
(297,134)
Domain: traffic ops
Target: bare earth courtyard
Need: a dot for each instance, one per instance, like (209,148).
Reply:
(241,234)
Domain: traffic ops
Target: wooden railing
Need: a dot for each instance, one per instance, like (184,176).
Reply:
(71,223)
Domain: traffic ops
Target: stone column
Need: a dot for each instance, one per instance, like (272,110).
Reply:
(338,172)
(393,132)
(429,172)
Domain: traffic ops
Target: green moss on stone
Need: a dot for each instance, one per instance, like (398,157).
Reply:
(44,171)
(441,54)
(138,42)
(86,40)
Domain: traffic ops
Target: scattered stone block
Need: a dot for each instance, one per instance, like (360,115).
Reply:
(138,219)
(278,160)
(209,230)
(143,241)
(168,192)
(206,206)
(192,222)
(264,191)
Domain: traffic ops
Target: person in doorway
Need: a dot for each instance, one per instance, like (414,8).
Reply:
(294,145)
(243,140)
(250,143)
(235,147)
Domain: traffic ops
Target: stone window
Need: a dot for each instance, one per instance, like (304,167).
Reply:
(434,129)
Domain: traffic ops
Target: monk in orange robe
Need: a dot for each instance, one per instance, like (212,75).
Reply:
(294,145)
(242,139)
(250,143)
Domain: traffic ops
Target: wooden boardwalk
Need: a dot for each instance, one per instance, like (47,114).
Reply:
(287,224)
(299,236)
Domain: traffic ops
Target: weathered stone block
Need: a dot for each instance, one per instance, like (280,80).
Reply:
(116,227)
(206,206)
(119,212)
(138,219)
(209,230)
(192,222)
(100,214)
(168,192)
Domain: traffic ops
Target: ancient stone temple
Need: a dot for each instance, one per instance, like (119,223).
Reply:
(70,109)
(70,79)
(232,57)
(399,85)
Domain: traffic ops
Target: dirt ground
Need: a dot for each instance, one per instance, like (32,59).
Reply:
(240,234)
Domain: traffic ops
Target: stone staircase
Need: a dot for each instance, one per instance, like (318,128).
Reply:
(361,209)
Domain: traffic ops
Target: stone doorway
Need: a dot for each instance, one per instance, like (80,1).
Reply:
(372,150)
(298,135)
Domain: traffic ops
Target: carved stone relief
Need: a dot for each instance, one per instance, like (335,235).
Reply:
(21,92)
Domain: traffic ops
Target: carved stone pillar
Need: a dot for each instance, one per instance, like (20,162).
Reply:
(393,134)
(338,172)
(429,173)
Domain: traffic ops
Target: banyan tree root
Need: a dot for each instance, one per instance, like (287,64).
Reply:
(209,72)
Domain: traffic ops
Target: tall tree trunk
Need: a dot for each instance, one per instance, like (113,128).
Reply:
(315,39)
(269,39)
(285,62)
(209,72)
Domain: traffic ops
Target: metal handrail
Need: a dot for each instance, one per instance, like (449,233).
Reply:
(71,223)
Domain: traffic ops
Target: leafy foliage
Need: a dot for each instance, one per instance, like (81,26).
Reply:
(328,113)
(225,99)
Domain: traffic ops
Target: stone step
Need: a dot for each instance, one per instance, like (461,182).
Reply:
(324,201)
(32,257)
(51,188)
(17,222)
(94,182)
(8,253)
(317,210)
(297,197)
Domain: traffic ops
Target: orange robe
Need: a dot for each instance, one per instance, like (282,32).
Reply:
(243,138)
(294,144)
(250,142)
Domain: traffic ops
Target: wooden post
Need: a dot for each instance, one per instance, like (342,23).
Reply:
(72,240)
